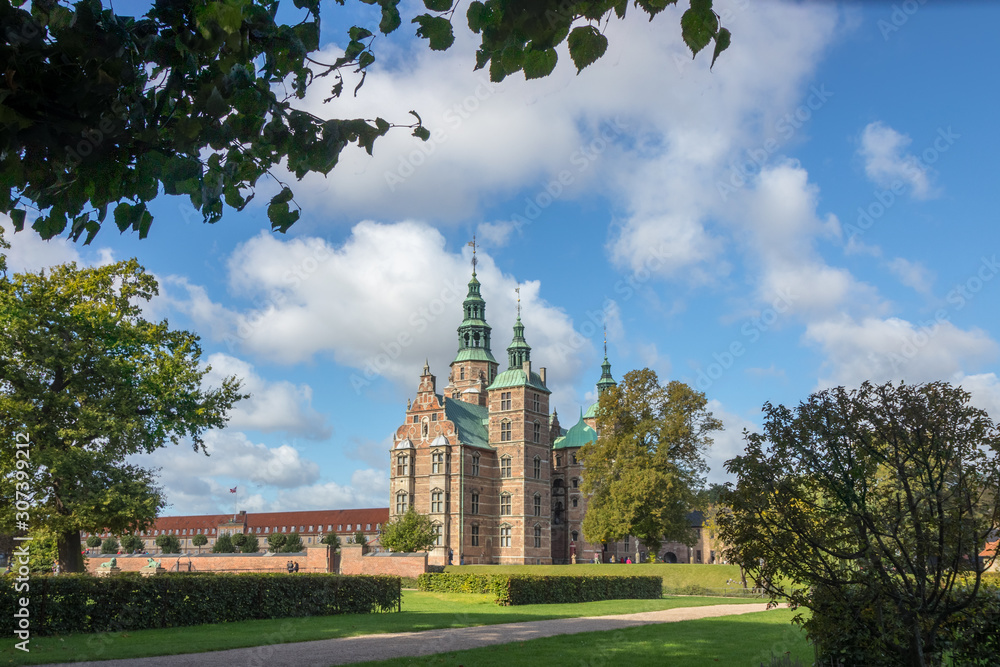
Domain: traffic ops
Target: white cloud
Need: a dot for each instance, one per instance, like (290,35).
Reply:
(895,349)
(368,488)
(727,443)
(912,274)
(272,406)
(29,252)
(887,163)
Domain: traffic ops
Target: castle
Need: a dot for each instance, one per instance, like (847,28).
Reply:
(487,460)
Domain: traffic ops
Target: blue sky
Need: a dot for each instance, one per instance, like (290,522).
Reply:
(816,211)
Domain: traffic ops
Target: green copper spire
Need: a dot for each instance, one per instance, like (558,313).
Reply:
(606,379)
(474,332)
(518,351)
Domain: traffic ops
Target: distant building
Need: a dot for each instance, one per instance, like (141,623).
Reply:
(311,525)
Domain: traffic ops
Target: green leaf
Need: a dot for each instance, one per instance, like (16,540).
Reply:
(17,217)
(365,59)
(390,17)
(539,63)
(436,30)
(438,5)
(721,44)
(422,133)
(586,45)
(356,33)
(698,26)
(475,15)
(513,58)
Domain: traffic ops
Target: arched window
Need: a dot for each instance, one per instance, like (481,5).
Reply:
(537,432)
(538,505)
(425,428)
(557,514)
(574,501)
(538,537)
(475,535)
(474,506)
(537,468)
(505,535)
(505,430)
(505,504)
(536,404)
(505,466)
(437,529)
(475,465)
(437,462)
(437,501)
(574,535)
(401,502)
(576,483)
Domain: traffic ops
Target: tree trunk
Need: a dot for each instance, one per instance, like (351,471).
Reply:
(70,552)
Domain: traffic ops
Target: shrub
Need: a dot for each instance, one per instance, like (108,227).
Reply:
(224,545)
(293,544)
(169,544)
(275,541)
(251,545)
(109,546)
(533,589)
(82,603)
(93,541)
(132,543)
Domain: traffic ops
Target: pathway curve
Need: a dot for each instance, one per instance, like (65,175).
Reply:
(349,650)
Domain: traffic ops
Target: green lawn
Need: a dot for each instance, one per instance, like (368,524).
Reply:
(421,611)
(677,577)
(747,640)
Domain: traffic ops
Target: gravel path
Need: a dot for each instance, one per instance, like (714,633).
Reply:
(402,644)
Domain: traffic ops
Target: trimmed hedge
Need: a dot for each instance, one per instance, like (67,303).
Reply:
(80,603)
(518,589)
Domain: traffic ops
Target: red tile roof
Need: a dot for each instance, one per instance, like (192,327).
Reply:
(991,549)
(319,519)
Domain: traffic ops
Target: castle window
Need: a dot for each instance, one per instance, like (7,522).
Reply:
(574,535)
(538,505)
(505,466)
(403,465)
(536,405)
(505,430)
(400,504)
(437,502)
(368,526)
(538,468)
(461,372)
(474,508)
(538,537)
(437,462)
(436,529)
(505,400)
(574,501)
(576,483)
(434,417)
(572,458)
(475,465)
(505,504)
(626,544)
(558,461)
(475,535)
(415,419)
(537,435)
(505,535)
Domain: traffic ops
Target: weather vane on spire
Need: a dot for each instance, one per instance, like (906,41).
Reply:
(474,260)
(518,290)
(605,340)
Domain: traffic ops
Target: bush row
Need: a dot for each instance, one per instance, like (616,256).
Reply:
(518,589)
(82,603)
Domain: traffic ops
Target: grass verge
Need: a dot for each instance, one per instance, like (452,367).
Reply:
(421,611)
(747,640)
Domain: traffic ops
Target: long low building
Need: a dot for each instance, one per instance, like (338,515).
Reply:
(311,525)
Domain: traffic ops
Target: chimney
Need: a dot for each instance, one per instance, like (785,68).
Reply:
(541,374)
(526,367)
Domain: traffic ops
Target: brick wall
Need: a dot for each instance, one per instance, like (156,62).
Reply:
(355,559)
(315,559)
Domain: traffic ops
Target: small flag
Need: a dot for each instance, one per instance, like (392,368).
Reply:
(232,490)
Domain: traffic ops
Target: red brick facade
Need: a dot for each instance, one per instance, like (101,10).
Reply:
(357,559)
(316,559)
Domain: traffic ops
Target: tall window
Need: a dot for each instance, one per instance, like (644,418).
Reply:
(437,462)
(505,430)
(536,405)
(574,501)
(436,529)
(574,535)
(573,458)
(538,468)
(461,372)
(437,501)
(626,544)
(400,503)
(538,537)
(474,508)
(537,433)
(505,504)
(538,505)
(475,465)
(475,535)
(505,535)
(576,483)
(505,466)
(505,400)
(558,461)
(403,465)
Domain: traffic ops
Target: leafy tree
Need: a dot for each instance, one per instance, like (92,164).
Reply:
(91,382)
(43,551)
(251,545)
(102,110)
(93,541)
(239,539)
(110,545)
(332,540)
(869,507)
(643,470)
(224,545)
(359,538)
(199,541)
(293,544)
(169,544)
(132,543)
(275,541)
(408,532)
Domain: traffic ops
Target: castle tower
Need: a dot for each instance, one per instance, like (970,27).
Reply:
(474,366)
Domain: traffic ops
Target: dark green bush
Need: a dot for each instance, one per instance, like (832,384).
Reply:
(83,603)
(511,589)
